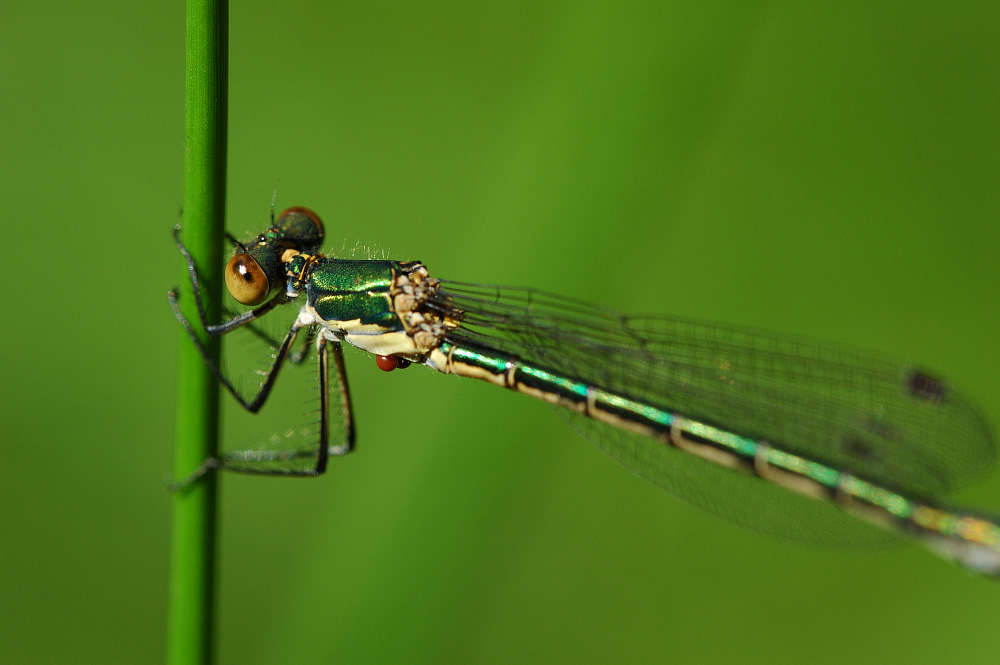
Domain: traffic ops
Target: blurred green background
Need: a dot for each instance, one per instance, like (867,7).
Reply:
(825,169)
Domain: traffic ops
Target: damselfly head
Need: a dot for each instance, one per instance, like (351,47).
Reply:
(256,268)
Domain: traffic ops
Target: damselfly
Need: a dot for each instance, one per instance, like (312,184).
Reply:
(775,432)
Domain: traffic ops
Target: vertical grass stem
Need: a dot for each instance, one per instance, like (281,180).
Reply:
(192,606)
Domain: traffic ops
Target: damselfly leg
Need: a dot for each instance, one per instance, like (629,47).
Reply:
(287,453)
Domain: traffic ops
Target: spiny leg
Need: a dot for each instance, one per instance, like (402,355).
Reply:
(252,406)
(281,462)
(347,413)
(297,357)
(257,402)
(323,450)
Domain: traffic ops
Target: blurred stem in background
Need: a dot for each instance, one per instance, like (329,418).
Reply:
(190,638)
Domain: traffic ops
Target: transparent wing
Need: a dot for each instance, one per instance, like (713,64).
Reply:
(853,410)
(737,497)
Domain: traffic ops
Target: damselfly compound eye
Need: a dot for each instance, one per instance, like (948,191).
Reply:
(246,280)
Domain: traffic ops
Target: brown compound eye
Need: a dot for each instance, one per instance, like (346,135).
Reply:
(246,280)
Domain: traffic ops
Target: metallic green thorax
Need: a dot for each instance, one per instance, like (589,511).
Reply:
(343,290)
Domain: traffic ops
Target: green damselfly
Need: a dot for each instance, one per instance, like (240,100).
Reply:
(775,432)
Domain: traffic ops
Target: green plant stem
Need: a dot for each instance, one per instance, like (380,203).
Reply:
(192,605)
